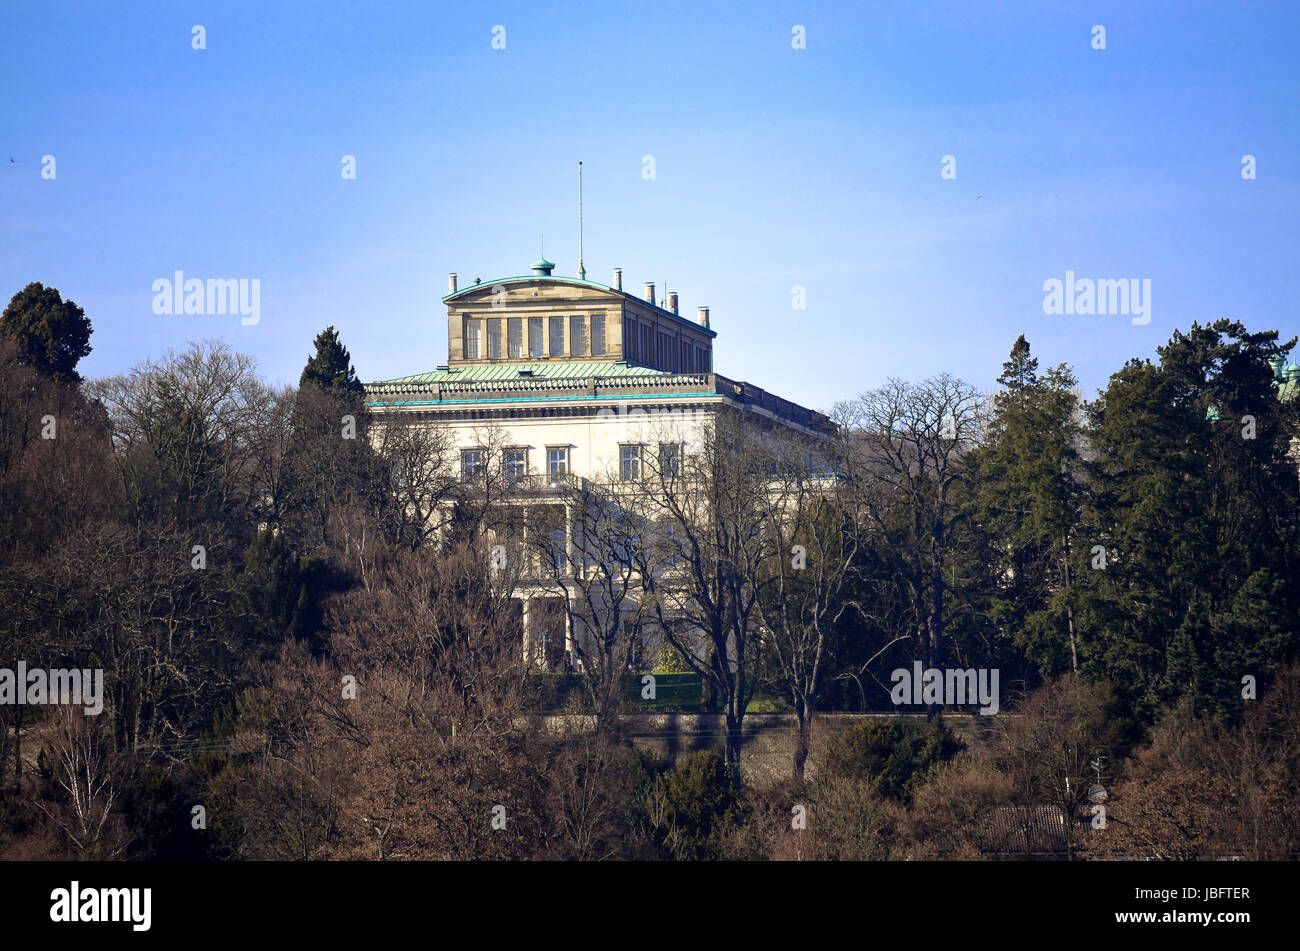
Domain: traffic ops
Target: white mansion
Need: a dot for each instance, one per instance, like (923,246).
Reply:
(563,376)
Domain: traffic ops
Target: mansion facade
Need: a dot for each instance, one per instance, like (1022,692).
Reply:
(559,379)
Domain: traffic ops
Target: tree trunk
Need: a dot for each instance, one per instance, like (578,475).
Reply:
(935,626)
(1069,611)
(18,746)
(709,690)
(803,713)
(732,753)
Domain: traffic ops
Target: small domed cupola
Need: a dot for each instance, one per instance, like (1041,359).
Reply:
(543,268)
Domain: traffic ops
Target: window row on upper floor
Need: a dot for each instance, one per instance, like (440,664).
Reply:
(651,345)
(631,459)
(514,462)
(515,338)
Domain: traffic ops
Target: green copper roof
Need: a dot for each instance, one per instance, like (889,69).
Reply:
(556,370)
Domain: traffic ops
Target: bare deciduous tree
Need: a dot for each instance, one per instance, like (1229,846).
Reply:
(591,565)
(86,773)
(806,584)
(911,448)
(701,560)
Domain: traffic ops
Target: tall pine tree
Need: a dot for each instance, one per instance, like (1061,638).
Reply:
(52,334)
(332,466)
(330,367)
(1196,504)
(1029,498)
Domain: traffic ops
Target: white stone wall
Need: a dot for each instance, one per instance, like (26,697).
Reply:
(593,442)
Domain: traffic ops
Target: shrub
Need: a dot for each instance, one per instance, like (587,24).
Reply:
(895,756)
(693,804)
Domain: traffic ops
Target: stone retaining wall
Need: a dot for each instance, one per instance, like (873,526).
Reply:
(767,751)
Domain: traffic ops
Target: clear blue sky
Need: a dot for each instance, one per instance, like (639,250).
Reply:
(774,167)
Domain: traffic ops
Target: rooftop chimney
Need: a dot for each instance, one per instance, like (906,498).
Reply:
(672,301)
(451,283)
(618,278)
(704,317)
(650,291)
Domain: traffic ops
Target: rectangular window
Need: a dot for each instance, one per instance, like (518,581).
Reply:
(557,461)
(516,462)
(535,342)
(557,336)
(547,529)
(674,545)
(686,357)
(473,339)
(546,621)
(629,339)
(577,337)
(511,530)
(598,335)
(626,540)
(629,458)
(494,338)
(670,460)
(515,328)
(471,463)
(559,548)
